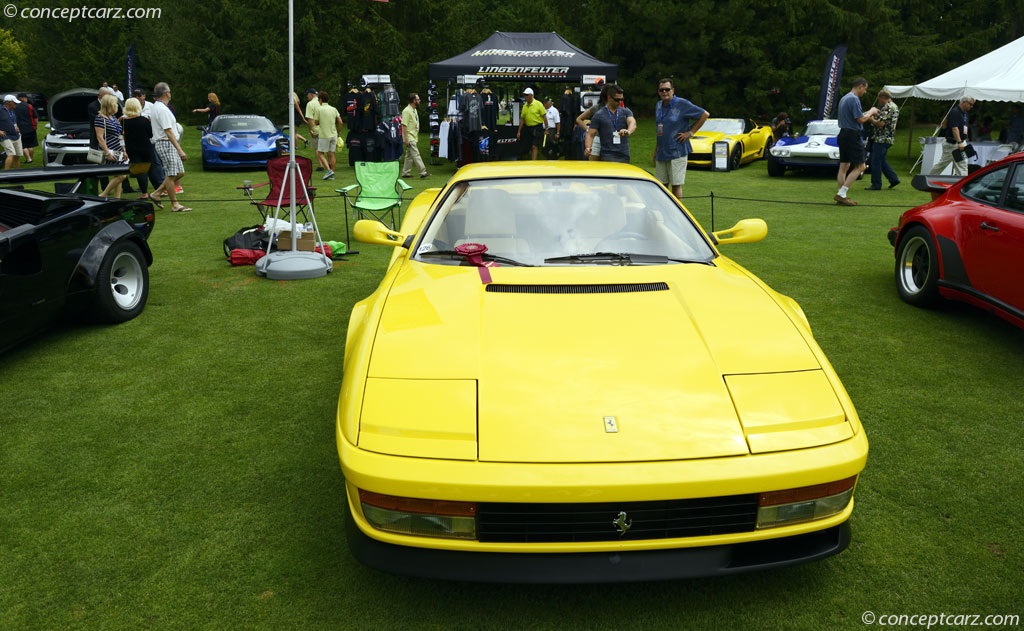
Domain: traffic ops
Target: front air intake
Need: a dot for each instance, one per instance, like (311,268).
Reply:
(615,288)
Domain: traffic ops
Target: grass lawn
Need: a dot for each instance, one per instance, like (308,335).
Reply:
(179,471)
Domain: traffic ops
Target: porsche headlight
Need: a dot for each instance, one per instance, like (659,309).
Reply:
(793,506)
(424,518)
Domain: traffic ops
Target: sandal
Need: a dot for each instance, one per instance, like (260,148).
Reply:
(156,201)
(181,209)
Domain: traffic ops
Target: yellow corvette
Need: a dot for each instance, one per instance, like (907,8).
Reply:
(747,141)
(561,379)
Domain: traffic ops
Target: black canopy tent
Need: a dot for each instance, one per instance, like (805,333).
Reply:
(527,57)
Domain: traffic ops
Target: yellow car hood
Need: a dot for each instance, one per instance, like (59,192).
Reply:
(571,368)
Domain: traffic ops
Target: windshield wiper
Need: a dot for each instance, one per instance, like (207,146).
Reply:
(487,256)
(613,258)
(621,258)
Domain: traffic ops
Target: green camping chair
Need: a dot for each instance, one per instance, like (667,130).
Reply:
(379,193)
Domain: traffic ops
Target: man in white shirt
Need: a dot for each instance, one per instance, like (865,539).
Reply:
(552,126)
(165,144)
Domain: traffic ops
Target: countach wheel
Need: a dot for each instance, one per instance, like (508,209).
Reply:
(917,268)
(775,167)
(122,286)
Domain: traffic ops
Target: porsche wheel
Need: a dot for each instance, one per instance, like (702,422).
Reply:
(122,285)
(917,268)
(775,167)
(735,157)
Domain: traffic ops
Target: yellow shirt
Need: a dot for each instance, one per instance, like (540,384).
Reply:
(410,123)
(533,113)
(311,107)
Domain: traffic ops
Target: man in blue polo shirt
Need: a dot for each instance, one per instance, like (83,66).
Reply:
(613,124)
(677,121)
(851,147)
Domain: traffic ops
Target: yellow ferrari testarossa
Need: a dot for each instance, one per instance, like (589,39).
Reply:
(746,141)
(561,379)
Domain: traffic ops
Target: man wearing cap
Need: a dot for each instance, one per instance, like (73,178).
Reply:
(10,137)
(553,126)
(312,104)
(532,117)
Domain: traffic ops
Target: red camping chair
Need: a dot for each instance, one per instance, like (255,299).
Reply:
(280,189)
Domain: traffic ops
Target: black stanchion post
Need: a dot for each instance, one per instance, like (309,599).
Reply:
(712,211)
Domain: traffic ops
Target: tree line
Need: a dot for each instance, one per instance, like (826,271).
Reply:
(733,57)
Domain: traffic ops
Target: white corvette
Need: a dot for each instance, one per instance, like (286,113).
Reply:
(816,148)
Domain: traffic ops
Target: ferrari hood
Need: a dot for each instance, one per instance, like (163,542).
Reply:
(587,364)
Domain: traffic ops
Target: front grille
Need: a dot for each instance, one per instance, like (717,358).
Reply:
(247,157)
(544,523)
(615,288)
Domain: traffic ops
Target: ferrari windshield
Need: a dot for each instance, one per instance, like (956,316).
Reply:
(564,221)
(730,126)
(236,124)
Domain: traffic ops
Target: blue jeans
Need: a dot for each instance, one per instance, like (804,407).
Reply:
(880,166)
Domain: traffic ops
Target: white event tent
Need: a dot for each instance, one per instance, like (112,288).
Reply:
(996,76)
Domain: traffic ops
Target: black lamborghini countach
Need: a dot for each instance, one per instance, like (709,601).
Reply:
(69,255)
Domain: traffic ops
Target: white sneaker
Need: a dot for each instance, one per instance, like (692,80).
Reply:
(329,175)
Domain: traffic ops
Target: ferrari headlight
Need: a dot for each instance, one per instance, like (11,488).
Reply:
(792,506)
(424,518)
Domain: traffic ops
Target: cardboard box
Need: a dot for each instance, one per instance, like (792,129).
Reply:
(305,243)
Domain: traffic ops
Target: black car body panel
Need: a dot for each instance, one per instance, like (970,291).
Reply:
(52,247)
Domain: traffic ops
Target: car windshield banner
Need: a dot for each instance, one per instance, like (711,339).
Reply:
(830,78)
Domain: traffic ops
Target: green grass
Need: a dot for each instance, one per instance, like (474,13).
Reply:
(179,471)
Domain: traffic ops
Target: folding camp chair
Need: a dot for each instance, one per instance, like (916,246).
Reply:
(280,188)
(379,195)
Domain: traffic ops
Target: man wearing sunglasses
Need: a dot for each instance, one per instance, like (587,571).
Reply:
(676,121)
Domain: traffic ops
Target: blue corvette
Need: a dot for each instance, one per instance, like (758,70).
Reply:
(816,148)
(236,140)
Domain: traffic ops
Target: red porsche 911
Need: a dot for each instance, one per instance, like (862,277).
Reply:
(967,244)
